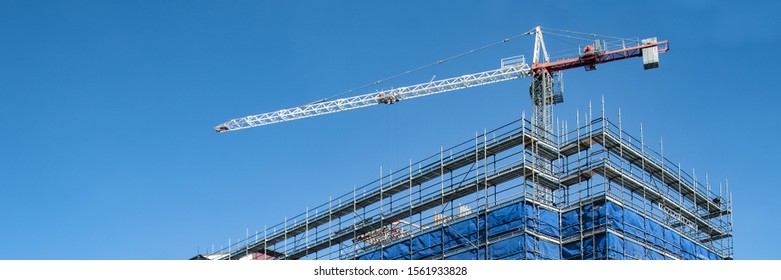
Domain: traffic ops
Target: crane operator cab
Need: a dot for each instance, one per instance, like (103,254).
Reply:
(387,99)
(590,53)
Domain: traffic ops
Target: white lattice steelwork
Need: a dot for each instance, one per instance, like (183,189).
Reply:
(516,69)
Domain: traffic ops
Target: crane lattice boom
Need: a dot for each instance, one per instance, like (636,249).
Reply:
(512,68)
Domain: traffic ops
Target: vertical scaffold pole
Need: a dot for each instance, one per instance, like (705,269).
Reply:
(727,193)
(409,207)
(330,223)
(485,208)
(523,153)
(605,131)
(621,161)
(441,179)
(707,193)
(441,198)
(680,190)
(694,195)
(381,198)
(355,216)
(285,247)
(477,172)
(557,136)
(590,115)
(382,218)
(590,131)
(642,150)
(661,165)
(603,107)
(577,165)
(306,231)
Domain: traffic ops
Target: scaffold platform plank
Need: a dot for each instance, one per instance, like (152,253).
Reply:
(629,153)
(605,169)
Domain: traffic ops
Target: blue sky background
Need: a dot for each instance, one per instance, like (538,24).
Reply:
(108,151)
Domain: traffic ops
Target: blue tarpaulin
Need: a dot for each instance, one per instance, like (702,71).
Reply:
(654,255)
(465,255)
(471,254)
(672,242)
(687,249)
(634,250)
(634,225)
(503,229)
(506,219)
(571,250)
(593,215)
(589,245)
(549,222)
(654,234)
(427,245)
(570,222)
(505,215)
(509,247)
(702,253)
(461,233)
(615,215)
(398,251)
(549,250)
(374,255)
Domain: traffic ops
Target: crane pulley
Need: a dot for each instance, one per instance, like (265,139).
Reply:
(544,72)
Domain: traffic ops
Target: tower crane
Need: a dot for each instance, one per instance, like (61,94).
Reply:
(545,89)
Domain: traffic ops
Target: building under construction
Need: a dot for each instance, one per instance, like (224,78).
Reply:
(527,190)
(594,192)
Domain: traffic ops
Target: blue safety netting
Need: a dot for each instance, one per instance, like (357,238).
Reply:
(472,254)
(398,251)
(571,250)
(654,234)
(642,238)
(373,255)
(549,222)
(570,222)
(467,232)
(509,233)
(427,245)
(604,246)
(503,228)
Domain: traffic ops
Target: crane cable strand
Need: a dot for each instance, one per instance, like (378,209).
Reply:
(441,61)
(427,65)
(567,36)
(589,34)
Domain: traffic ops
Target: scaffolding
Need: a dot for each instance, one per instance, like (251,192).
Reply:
(593,192)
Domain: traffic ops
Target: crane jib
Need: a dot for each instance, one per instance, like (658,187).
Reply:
(511,68)
(390,96)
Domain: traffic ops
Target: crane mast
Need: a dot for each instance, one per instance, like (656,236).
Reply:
(542,90)
(546,88)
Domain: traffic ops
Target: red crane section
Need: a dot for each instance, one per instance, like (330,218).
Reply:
(591,57)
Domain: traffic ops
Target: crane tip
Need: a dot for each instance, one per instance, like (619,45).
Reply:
(221,128)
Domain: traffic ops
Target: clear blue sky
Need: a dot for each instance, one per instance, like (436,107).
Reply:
(108,151)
